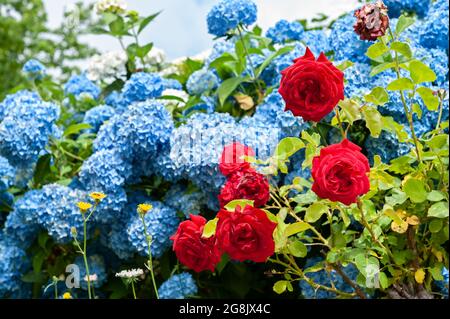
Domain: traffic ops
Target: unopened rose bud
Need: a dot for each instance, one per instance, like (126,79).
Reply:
(245,102)
(372,21)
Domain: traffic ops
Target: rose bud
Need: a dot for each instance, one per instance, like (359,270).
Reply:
(372,21)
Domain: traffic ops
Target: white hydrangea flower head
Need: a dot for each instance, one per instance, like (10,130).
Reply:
(114,6)
(156,56)
(107,66)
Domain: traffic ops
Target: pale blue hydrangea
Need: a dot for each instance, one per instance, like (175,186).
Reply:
(434,31)
(317,41)
(345,42)
(443,284)
(7,174)
(116,100)
(184,200)
(140,132)
(219,48)
(396,7)
(226,15)
(34,69)
(164,167)
(207,105)
(114,236)
(386,146)
(21,224)
(26,128)
(161,221)
(180,286)
(202,81)
(142,86)
(80,85)
(284,31)
(14,264)
(96,116)
(358,82)
(326,278)
(13,101)
(172,84)
(96,267)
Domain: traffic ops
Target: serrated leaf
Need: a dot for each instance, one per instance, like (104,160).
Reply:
(298,249)
(377,49)
(280,286)
(439,210)
(315,211)
(210,228)
(401,84)
(296,228)
(381,67)
(288,146)
(403,23)
(420,72)
(402,48)
(430,100)
(351,110)
(228,86)
(377,96)
(231,206)
(415,190)
(374,120)
(435,196)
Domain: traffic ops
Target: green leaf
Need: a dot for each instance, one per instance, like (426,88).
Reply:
(403,23)
(351,110)
(384,281)
(146,21)
(435,196)
(210,228)
(438,210)
(420,72)
(345,65)
(415,190)
(401,84)
(76,128)
(377,49)
(288,146)
(430,100)
(280,286)
(381,67)
(231,206)
(42,169)
(374,120)
(296,228)
(315,211)
(402,48)
(435,225)
(266,62)
(117,27)
(143,50)
(228,86)
(298,249)
(377,96)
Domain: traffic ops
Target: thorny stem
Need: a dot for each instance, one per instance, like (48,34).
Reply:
(150,261)
(341,127)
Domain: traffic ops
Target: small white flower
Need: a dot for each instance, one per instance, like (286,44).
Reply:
(91,278)
(132,273)
(156,56)
(114,6)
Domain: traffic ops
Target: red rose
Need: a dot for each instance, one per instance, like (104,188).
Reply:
(310,88)
(245,184)
(232,158)
(340,173)
(192,249)
(245,234)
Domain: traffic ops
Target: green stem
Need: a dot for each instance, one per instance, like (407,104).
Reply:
(86,264)
(341,127)
(56,289)
(132,288)
(150,261)
(252,67)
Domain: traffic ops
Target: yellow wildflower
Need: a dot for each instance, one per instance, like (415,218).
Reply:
(67,295)
(84,207)
(97,196)
(144,208)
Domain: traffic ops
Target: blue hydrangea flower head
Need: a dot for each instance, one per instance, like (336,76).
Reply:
(184,200)
(80,85)
(172,84)
(327,278)
(13,101)
(96,267)
(226,15)
(34,69)
(162,222)
(386,146)
(317,41)
(116,100)
(396,7)
(26,128)
(219,48)
(96,116)
(358,80)
(345,42)
(178,286)
(284,31)
(434,32)
(13,265)
(142,86)
(201,81)
(7,174)
(443,284)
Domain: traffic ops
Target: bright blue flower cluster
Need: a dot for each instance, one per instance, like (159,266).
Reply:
(162,222)
(228,14)
(345,42)
(317,41)
(434,32)
(179,286)
(96,116)
(7,174)
(13,264)
(327,278)
(171,84)
(142,86)
(26,125)
(202,81)
(396,7)
(358,81)
(443,284)
(80,85)
(96,267)
(184,200)
(219,48)
(34,69)
(386,146)
(284,31)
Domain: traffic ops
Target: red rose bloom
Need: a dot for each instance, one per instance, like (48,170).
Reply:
(245,184)
(191,249)
(232,158)
(340,173)
(310,88)
(245,234)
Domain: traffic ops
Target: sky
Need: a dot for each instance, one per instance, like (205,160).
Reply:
(180,29)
